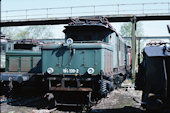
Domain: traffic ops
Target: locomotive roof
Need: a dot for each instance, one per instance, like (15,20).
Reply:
(157,51)
(87,23)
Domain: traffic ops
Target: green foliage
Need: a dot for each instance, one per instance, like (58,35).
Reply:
(126,29)
(22,35)
(34,32)
(10,32)
(39,32)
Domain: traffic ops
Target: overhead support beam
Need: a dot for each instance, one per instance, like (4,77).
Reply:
(36,22)
(66,20)
(144,17)
(133,20)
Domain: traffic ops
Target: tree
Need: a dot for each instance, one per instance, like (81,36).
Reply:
(126,29)
(22,35)
(10,32)
(34,32)
(39,32)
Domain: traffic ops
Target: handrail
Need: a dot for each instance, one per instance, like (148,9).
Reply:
(92,10)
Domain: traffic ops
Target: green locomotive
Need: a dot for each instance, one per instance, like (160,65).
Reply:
(92,62)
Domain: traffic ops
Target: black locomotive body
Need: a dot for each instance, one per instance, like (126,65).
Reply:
(153,77)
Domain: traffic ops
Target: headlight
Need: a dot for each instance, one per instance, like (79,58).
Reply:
(90,71)
(50,70)
(69,41)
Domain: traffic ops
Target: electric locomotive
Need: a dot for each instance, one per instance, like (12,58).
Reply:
(93,61)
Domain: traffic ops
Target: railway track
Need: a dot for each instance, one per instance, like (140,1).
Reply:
(37,104)
(124,100)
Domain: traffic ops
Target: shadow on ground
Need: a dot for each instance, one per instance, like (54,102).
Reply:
(126,109)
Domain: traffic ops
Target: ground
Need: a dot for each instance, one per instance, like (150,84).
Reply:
(124,99)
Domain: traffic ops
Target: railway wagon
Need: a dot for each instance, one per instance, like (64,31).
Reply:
(22,63)
(153,77)
(5,45)
(93,61)
(2,54)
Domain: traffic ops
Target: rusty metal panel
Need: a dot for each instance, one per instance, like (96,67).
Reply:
(108,61)
(13,63)
(25,63)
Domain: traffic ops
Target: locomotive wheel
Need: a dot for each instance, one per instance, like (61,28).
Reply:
(15,91)
(50,100)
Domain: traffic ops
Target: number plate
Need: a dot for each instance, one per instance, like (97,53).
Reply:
(70,70)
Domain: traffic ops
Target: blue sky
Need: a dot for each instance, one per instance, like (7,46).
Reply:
(24,4)
(151,28)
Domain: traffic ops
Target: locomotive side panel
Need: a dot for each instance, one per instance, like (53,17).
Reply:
(22,61)
(108,56)
(21,66)
(115,53)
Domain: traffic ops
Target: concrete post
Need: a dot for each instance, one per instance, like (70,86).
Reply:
(133,48)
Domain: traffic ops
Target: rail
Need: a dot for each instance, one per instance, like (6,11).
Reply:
(93,10)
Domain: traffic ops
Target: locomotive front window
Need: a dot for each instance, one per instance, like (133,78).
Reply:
(87,34)
(74,37)
(88,37)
